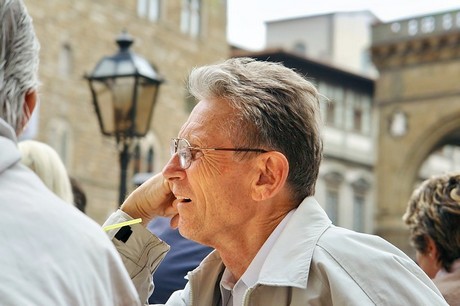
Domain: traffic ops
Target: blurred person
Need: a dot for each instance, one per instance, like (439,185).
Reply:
(241,180)
(79,195)
(51,254)
(184,256)
(47,164)
(433,217)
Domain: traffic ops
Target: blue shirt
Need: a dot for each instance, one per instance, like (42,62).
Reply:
(184,256)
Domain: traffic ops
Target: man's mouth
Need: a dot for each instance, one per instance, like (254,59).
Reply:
(184,200)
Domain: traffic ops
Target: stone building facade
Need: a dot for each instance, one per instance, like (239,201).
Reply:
(332,50)
(418,100)
(174,35)
(341,39)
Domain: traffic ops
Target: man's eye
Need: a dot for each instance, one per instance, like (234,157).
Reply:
(197,154)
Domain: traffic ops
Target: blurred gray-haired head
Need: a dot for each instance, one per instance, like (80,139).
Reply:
(19,59)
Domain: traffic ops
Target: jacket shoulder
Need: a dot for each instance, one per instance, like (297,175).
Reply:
(375,266)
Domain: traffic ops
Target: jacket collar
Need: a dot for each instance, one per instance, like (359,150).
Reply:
(288,263)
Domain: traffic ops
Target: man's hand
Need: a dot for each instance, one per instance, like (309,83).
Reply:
(151,199)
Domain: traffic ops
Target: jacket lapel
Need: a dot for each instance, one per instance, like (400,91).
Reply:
(288,263)
(205,279)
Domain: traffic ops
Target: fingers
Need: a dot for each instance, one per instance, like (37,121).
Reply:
(170,209)
(151,199)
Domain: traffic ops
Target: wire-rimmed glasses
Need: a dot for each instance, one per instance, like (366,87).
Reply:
(184,150)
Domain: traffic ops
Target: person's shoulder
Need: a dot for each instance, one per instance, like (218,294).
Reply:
(337,239)
(449,285)
(355,251)
(376,266)
(82,223)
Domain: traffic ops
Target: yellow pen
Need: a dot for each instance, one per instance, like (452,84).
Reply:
(121,224)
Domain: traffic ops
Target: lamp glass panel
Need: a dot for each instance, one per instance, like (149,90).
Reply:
(122,99)
(146,91)
(144,68)
(125,67)
(105,68)
(104,104)
(114,98)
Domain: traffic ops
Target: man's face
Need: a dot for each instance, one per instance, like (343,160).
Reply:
(214,192)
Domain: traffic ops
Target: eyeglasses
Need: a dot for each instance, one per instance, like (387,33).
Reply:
(184,150)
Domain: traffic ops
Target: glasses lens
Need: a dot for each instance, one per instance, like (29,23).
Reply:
(173,146)
(185,155)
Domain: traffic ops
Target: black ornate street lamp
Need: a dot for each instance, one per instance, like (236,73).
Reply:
(124,88)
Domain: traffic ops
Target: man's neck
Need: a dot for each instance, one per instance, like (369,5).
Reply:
(239,250)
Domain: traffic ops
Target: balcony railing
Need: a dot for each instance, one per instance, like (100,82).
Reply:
(417,27)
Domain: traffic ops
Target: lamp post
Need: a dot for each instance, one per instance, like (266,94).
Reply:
(124,89)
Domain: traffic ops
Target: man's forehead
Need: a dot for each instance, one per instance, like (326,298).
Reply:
(211,110)
(205,116)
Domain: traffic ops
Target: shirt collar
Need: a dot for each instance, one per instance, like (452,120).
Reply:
(236,288)
(251,274)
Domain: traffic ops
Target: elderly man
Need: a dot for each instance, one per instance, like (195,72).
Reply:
(241,179)
(51,253)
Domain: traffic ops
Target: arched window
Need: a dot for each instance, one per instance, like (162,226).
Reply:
(65,61)
(333,181)
(146,161)
(191,17)
(332,104)
(59,136)
(150,9)
(360,191)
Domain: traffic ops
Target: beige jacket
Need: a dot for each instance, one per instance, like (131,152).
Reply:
(311,263)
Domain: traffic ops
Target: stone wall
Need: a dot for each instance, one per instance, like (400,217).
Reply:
(74,36)
(418,99)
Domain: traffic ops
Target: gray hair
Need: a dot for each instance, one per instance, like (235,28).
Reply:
(275,109)
(18,61)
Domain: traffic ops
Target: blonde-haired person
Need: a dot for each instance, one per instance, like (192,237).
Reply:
(433,217)
(46,163)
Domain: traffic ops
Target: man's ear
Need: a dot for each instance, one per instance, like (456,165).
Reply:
(432,249)
(30,101)
(272,172)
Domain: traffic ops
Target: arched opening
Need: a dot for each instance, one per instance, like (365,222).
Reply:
(444,158)
(434,152)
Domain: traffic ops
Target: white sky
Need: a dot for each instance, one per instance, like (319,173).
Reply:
(246,18)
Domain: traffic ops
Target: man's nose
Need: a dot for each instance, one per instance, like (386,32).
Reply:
(172,170)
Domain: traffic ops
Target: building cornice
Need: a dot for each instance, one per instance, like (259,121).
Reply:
(416,40)
(416,51)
